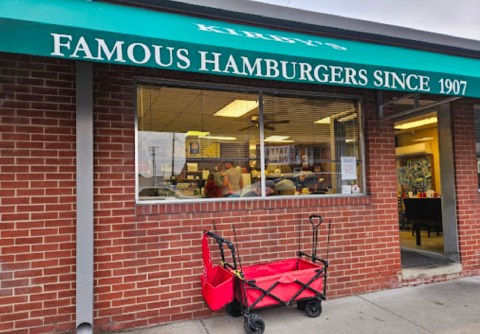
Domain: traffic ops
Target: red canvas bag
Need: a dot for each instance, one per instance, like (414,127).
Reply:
(217,282)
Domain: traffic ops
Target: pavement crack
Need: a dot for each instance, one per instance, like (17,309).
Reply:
(396,314)
(204,327)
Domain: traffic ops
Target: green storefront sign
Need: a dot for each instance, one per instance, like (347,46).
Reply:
(101,32)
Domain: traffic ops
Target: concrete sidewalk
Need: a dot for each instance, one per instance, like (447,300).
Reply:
(446,307)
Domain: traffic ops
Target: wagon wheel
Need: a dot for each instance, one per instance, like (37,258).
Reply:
(313,308)
(234,309)
(254,324)
(301,304)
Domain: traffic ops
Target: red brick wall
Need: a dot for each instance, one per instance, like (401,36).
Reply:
(148,257)
(37,195)
(468,198)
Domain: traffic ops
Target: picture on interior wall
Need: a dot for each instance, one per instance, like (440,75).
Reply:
(415,173)
(194,148)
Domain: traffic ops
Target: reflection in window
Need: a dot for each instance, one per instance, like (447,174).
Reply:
(201,144)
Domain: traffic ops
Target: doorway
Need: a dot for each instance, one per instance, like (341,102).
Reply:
(426,197)
(418,188)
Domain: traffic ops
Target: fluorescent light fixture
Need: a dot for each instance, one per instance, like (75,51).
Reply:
(348,118)
(423,139)
(415,124)
(196,133)
(237,108)
(350,140)
(325,120)
(219,137)
(343,116)
(278,139)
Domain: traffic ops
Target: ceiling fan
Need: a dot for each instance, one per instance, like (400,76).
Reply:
(267,124)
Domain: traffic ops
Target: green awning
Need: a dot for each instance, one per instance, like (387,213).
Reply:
(107,33)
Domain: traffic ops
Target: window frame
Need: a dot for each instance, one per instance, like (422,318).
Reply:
(260,91)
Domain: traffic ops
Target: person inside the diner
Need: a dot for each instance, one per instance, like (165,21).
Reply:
(220,178)
(211,188)
(301,182)
(256,189)
(285,187)
(234,179)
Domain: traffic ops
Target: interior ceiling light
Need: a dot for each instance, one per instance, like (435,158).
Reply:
(341,116)
(325,120)
(415,124)
(237,108)
(196,133)
(278,139)
(348,118)
(218,137)
(423,139)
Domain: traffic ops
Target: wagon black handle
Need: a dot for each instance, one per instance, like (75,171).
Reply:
(220,242)
(217,237)
(313,218)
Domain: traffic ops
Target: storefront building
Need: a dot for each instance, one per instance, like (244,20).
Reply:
(116,120)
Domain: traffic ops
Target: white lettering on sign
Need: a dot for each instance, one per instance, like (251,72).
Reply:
(267,37)
(253,70)
(144,52)
(247,65)
(82,48)
(60,41)
(116,50)
(449,86)
(272,68)
(137,53)
(402,81)
(215,61)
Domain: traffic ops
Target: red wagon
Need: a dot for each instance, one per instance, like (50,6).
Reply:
(301,280)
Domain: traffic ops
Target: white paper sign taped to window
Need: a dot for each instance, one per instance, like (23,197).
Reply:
(346,189)
(349,168)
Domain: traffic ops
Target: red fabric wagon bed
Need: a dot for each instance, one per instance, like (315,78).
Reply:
(290,275)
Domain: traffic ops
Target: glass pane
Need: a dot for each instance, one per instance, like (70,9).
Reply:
(195,143)
(306,142)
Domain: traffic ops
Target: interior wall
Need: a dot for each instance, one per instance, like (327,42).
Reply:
(409,138)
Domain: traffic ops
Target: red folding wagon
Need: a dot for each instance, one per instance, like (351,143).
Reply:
(278,283)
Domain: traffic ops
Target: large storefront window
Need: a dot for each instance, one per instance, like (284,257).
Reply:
(204,144)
